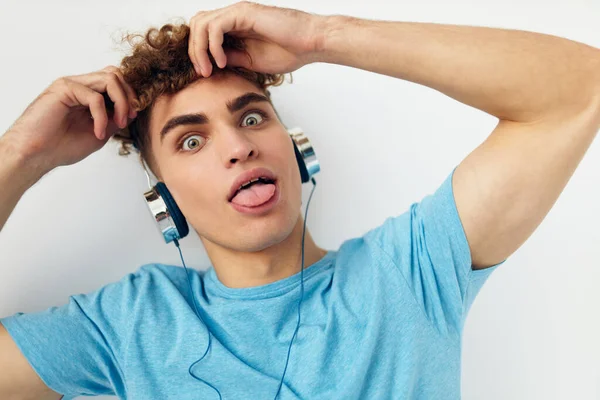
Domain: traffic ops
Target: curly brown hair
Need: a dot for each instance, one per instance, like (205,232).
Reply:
(160,64)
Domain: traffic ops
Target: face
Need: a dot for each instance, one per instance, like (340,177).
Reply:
(200,159)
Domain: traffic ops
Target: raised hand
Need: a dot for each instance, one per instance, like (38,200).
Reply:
(278,40)
(69,120)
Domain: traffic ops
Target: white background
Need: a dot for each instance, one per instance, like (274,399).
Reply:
(383,143)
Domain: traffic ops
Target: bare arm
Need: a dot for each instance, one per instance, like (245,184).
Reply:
(512,74)
(55,130)
(544,89)
(17,174)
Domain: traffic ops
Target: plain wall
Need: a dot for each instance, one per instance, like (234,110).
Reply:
(383,143)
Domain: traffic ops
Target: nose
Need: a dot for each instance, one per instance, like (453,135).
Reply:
(236,146)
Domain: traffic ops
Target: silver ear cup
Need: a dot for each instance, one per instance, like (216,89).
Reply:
(162,217)
(305,154)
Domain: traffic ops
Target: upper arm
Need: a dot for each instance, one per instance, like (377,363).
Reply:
(508,184)
(76,349)
(18,380)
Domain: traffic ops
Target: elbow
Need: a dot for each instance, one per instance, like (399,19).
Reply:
(595,80)
(587,99)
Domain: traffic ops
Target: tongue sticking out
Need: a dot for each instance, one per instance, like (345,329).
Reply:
(255,195)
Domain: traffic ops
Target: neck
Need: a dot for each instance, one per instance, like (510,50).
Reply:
(237,269)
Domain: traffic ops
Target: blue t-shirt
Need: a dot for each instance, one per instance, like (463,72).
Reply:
(382,318)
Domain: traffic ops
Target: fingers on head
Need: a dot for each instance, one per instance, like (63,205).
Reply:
(206,33)
(215,40)
(94,91)
(115,88)
(80,94)
(131,95)
(198,46)
(111,80)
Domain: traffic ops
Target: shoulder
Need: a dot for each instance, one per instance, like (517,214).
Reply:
(147,280)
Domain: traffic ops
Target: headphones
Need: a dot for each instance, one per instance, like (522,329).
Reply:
(173,226)
(170,220)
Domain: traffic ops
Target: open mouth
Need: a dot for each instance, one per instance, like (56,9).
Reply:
(254,193)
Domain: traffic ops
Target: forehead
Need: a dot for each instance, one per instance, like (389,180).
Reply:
(206,95)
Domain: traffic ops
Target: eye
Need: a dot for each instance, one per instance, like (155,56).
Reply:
(252,120)
(191,142)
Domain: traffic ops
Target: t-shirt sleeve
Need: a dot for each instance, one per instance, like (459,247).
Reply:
(76,349)
(428,245)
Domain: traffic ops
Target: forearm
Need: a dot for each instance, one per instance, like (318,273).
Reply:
(513,75)
(17,174)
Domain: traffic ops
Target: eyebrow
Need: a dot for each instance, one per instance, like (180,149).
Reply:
(200,118)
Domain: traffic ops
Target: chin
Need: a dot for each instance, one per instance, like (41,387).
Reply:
(255,233)
(266,232)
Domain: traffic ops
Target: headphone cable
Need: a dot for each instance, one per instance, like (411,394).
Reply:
(299,304)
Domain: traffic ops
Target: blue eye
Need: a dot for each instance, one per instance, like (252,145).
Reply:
(246,118)
(190,143)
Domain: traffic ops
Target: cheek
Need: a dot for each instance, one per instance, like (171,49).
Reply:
(188,185)
(293,179)
(285,160)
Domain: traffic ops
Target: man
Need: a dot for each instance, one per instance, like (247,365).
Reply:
(382,315)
